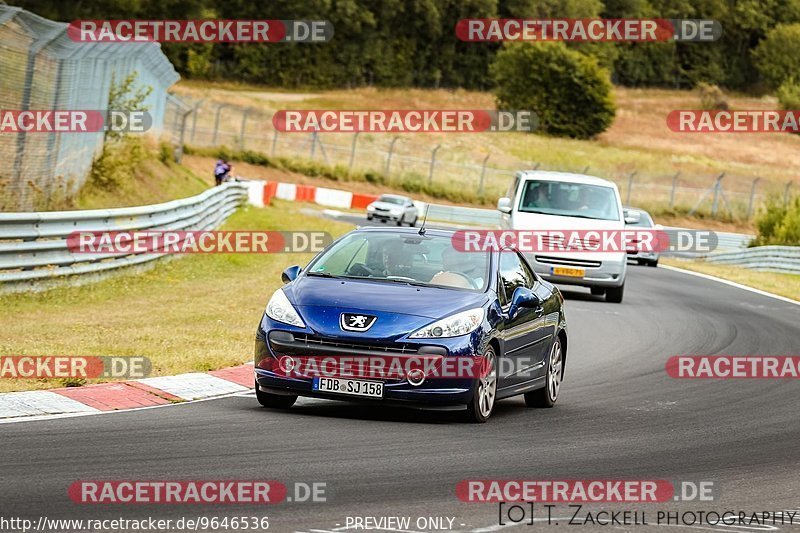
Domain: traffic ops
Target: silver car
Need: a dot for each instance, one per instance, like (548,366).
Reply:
(393,208)
(641,219)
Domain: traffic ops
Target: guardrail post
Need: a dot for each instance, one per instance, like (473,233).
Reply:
(786,193)
(752,197)
(389,156)
(274,141)
(630,187)
(672,193)
(216,123)
(483,173)
(352,153)
(433,162)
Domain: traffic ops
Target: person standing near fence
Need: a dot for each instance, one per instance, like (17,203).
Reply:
(221,171)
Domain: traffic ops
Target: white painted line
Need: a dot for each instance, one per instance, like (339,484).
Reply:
(732,284)
(193,386)
(33,403)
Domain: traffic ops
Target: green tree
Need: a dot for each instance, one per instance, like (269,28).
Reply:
(569,91)
(776,56)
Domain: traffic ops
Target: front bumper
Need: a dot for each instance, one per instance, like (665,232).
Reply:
(383,215)
(598,272)
(437,391)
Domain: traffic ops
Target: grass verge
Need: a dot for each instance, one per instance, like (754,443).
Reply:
(787,285)
(196,313)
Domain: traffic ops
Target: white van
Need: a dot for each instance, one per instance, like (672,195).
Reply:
(541,200)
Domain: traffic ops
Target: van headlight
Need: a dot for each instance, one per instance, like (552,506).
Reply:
(280,309)
(452,326)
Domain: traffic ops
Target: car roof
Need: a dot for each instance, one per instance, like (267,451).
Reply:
(568,177)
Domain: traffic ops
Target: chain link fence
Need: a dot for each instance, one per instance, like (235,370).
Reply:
(42,68)
(458,166)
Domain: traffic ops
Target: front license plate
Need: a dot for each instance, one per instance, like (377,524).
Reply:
(352,387)
(569,272)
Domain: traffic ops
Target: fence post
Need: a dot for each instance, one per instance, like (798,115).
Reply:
(352,153)
(585,169)
(274,141)
(752,197)
(717,190)
(483,173)
(216,124)
(433,162)
(536,166)
(672,193)
(313,144)
(389,156)
(194,117)
(630,187)
(244,125)
(786,193)
(179,149)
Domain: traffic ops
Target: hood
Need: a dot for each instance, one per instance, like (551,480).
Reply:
(555,222)
(385,205)
(400,309)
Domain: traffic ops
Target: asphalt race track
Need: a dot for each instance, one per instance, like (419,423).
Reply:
(619,416)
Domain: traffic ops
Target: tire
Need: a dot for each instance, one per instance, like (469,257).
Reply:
(653,263)
(369,217)
(275,401)
(480,408)
(597,291)
(413,223)
(614,294)
(547,396)
(401,220)
(641,262)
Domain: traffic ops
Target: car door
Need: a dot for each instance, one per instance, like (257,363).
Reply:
(524,329)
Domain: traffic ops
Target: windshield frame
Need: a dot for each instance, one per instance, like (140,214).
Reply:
(524,186)
(309,272)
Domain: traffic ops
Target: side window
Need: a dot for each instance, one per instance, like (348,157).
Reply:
(530,277)
(512,275)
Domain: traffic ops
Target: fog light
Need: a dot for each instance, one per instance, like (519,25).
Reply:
(287,364)
(415,377)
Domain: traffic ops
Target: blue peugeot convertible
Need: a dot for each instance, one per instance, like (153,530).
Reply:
(405,294)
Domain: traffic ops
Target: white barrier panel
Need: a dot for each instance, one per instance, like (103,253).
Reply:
(255,193)
(334,198)
(286,191)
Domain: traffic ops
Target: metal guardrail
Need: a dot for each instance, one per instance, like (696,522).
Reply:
(784,259)
(33,246)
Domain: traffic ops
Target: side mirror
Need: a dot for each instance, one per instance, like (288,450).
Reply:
(504,205)
(291,273)
(633,217)
(523,297)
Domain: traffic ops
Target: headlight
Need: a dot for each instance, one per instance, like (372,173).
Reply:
(280,310)
(452,326)
(370,207)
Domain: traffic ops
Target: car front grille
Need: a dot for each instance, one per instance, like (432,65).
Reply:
(565,261)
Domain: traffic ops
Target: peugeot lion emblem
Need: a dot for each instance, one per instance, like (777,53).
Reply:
(356,322)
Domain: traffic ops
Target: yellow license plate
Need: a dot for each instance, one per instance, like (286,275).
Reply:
(570,272)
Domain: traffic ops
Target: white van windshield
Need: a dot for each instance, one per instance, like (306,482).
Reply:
(569,199)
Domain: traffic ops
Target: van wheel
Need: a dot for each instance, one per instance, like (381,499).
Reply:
(614,294)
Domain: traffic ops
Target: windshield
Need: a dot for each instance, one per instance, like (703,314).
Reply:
(403,258)
(391,200)
(569,199)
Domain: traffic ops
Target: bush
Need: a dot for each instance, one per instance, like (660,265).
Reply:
(789,95)
(711,97)
(776,57)
(569,91)
(778,224)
